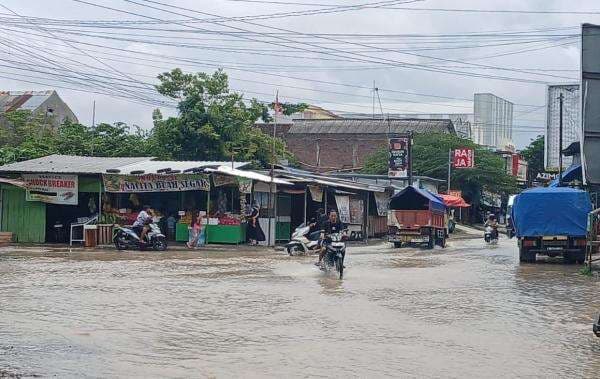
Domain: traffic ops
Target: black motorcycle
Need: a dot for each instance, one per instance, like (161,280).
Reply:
(597,327)
(335,252)
(126,238)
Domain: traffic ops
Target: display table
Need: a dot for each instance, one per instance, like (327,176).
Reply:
(228,234)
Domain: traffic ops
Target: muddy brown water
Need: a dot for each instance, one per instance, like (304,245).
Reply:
(467,311)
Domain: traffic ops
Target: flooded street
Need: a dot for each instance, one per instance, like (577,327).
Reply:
(466,311)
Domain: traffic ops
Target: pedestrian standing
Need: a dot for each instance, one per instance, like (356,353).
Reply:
(254,233)
(171,224)
(196,231)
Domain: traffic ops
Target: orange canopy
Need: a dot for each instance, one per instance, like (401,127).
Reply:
(454,201)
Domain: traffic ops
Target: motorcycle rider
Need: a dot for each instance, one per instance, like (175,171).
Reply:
(331,226)
(316,224)
(493,223)
(141,224)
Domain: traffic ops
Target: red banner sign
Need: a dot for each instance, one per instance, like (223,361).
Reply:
(463,158)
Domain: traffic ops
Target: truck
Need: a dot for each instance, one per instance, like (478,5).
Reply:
(417,216)
(551,221)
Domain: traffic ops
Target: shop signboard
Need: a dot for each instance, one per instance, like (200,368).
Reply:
(156,183)
(316,193)
(399,157)
(463,158)
(52,188)
(245,185)
(223,180)
(382,200)
(343,206)
(456,193)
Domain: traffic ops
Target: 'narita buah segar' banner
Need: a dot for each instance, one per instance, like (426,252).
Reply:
(156,182)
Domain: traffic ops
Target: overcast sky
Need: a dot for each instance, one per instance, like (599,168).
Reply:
(331,58)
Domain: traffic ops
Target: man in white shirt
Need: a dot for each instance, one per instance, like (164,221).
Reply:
(140,226)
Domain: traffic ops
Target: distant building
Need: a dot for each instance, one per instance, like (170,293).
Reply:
(46,103)
(462,121)
(343,144)
(571,123)
(493,121)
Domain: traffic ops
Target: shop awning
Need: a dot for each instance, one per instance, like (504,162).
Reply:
(227,170)
(454,201)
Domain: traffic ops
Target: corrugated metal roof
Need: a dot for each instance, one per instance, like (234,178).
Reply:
(152,167)
(352,126)
(70,164)
(227,170)
(27,100)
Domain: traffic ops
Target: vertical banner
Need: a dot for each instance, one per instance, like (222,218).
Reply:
(357,208)
(343,206)
(245,185)
(463,158)
(382,200)
(399,157)
(316,193)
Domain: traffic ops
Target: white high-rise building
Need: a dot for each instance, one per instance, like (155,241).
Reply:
(493,122)
(571,122)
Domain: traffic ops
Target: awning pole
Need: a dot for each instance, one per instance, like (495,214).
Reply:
(305,203)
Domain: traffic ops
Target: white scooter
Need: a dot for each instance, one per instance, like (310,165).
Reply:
(303,242)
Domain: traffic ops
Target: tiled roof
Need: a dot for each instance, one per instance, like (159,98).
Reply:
(370,126)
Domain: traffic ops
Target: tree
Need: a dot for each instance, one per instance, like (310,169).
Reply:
(534,155)
(430,158)
(213,122)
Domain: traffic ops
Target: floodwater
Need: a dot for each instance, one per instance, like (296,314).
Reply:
(466,311)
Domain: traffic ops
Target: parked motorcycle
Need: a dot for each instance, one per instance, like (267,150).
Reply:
(491,235)
(335,252)
(126,238)
(303,242)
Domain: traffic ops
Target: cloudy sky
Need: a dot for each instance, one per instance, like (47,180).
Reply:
(426,56)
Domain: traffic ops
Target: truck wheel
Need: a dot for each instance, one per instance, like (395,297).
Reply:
(526,256)
(397,245)
(580,257)
(432,238)
(570,258)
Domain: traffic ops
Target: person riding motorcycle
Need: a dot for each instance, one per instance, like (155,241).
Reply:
(493,223)
(331,226)
(142,222)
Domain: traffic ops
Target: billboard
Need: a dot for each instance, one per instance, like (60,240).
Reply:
(155,183)
(399,156)
(52,188)
(590,102)
(571,122)
(463,158)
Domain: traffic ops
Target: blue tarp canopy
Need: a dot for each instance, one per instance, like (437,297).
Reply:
(573,172)
(413,198)
(551,211)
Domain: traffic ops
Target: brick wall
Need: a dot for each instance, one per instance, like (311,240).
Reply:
(337,151)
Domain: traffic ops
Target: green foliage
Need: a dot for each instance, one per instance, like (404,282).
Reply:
(213,122)
(534,155)
(430,158)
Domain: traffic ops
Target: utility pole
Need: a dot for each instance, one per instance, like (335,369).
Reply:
(373,100)
(449,170)
(94,114)
(560,138)
(271,202)
(410,158)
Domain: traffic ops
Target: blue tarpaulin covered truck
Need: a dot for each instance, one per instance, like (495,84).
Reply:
(551,221)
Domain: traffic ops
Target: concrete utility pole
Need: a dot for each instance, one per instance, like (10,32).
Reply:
(449,169)
(560,138)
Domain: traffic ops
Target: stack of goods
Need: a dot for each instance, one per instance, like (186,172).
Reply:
(186,219)
(229,220)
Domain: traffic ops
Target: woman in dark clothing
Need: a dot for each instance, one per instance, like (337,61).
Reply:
(254,232)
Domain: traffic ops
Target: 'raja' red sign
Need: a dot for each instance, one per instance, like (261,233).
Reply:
(463,158)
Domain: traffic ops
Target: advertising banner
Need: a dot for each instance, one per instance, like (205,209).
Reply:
(357,209)
(52,188)
(223,180)
(343,205)
(156,183)
(316,193)
(463,158)
(382,199)
(399,156)
(245,185)
(457,193)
